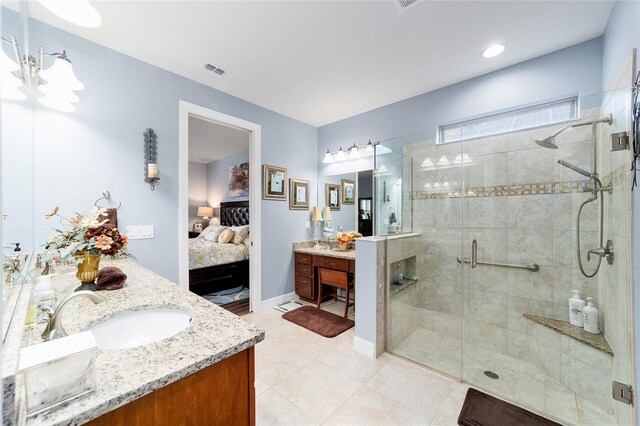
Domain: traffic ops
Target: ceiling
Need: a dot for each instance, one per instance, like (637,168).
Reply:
(323,61)
(211,141)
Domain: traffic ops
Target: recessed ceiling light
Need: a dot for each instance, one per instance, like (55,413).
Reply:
(493,50)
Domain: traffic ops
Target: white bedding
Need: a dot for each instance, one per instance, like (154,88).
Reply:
(203,253)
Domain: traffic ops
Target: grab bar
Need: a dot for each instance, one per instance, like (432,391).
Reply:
(474,253)
(532,267)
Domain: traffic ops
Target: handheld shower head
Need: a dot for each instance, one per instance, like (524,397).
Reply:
(576,169)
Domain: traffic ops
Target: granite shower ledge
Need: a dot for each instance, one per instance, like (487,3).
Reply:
(596,341)
(125,375)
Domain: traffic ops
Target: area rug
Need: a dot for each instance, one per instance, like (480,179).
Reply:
(320,322)
(480,409)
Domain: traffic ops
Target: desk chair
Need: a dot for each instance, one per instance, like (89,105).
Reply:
(337,279)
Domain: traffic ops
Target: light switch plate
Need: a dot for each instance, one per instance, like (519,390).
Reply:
(140,232)
(307,224)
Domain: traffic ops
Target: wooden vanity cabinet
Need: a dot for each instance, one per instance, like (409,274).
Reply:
(306,281)
(304,285)
(221,394)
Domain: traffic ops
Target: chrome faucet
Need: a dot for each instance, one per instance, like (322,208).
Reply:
(54,324)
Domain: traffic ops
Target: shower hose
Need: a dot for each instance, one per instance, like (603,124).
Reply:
(594,196)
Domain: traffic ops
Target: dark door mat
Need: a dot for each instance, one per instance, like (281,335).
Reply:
(320,322)
(480,409)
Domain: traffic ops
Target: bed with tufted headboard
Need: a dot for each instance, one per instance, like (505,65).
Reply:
(216,279)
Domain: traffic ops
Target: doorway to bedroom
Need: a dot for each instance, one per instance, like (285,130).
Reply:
(217,245)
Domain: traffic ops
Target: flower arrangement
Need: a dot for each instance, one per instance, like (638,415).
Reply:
(85,232)
(347,237)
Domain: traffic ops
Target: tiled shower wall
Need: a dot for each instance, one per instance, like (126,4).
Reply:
(615,280)
(521,207)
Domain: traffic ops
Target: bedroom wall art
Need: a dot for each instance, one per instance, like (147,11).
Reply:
(239,180)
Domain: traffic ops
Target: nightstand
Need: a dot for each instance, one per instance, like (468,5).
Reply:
(193,234)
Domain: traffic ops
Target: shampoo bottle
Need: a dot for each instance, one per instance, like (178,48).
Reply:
(576,306)
(591,318)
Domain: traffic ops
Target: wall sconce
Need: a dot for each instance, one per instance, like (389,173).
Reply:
(57,83)
(151,158)
(205,213)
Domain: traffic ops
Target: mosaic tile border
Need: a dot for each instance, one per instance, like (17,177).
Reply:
(544,188)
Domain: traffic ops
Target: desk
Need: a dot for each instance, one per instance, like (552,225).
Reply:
(307,262)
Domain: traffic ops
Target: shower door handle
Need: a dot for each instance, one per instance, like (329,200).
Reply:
(474,253)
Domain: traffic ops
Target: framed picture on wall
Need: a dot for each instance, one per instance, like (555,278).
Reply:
(274,183)
(298,194)
(332,196)
(348,191)
(239,180)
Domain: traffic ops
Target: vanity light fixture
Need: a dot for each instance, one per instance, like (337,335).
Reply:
(57,83)
(443,161)
(9,83)
(369,148)
(462,159)
(353,152)
(79,12)
(427,185)
(427,162)
(328,158)
(493,50)
(340,156)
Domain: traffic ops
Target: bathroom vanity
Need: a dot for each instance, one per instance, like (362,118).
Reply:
(307,261)
(203,374)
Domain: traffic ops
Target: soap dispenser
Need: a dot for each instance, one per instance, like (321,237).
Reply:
(576,306)
(591,318)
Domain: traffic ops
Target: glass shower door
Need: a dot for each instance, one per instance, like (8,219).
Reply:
(424,316)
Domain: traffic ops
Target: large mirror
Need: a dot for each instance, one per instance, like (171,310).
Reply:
(17,165)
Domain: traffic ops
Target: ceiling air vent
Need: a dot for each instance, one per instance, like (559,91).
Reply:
(407,4)
(215,69)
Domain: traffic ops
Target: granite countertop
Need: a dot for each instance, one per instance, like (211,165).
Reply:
(349,254)
(122,376)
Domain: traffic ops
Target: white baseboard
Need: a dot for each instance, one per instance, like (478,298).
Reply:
(364,347)
(275,301)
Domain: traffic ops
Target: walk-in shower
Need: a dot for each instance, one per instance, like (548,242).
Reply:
(595,187)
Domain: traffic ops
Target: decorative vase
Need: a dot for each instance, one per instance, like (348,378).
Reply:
(87,270)
(343,246)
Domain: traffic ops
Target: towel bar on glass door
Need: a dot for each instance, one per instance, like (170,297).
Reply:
(533,267)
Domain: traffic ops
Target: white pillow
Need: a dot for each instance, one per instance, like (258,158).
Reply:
(212,232)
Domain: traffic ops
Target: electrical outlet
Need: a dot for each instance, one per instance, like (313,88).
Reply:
(140,232)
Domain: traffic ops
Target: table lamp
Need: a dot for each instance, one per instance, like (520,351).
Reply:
(316,216)
(327,231)
(205,212)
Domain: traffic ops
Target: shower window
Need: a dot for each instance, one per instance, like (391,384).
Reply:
(515,120)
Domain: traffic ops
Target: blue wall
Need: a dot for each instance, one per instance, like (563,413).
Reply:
(100,147)
(576,69)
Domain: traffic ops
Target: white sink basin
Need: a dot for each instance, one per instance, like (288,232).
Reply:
(140,328)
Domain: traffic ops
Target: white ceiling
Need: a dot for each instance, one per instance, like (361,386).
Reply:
(211,141)
(323,61)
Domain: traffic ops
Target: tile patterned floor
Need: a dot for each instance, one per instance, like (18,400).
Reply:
(305,379)
(519,380)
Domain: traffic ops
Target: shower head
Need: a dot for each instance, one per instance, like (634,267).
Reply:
(576,169)
(549,141)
